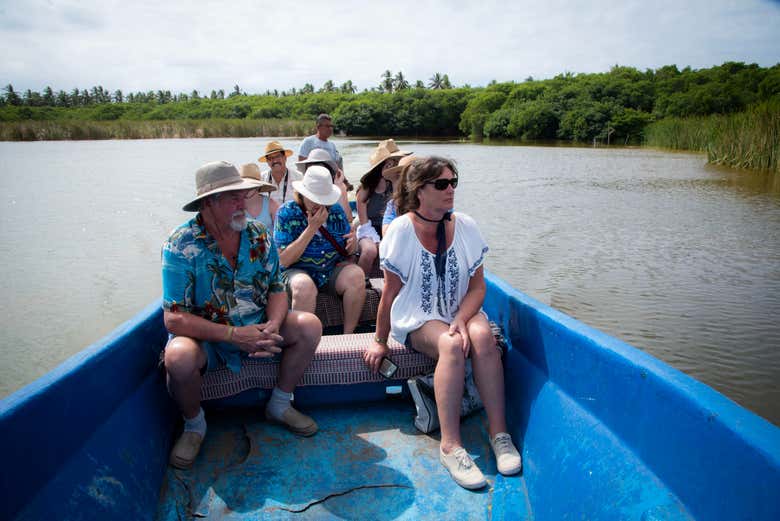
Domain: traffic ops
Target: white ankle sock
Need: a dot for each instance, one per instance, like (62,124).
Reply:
(196,424)
(278,403)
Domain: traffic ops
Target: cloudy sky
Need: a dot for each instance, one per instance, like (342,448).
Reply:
(183,45)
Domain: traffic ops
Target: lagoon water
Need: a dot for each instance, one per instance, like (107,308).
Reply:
(678,258)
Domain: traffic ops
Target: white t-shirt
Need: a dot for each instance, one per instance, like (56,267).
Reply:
(420,298)
(283,192)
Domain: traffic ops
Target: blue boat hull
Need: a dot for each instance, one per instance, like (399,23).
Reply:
(608,432)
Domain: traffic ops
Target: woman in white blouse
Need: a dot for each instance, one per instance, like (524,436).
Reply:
(432,301)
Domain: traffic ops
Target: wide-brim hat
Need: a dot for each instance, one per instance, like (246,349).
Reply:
(383,151)
(217,177)
(318,155)
(402,163)
(317,185)
(272,148)
(252,171)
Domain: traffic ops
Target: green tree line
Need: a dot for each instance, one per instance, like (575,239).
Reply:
(611,107)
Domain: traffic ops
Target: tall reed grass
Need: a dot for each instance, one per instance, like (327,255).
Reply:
(748,140)
(125,129)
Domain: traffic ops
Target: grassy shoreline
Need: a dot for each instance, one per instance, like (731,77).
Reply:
(159,129)
(748,140)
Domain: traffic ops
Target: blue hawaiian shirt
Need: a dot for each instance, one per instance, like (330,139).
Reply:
(197,279)
(320,256)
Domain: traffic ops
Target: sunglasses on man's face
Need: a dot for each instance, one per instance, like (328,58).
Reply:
(442,184)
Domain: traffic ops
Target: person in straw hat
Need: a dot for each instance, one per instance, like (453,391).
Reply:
(278,174)
(316,247)
(259,206)
(224,300)
(393,174)
(322,157)
(372,196)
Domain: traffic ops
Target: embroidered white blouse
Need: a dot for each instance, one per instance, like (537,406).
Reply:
(421,297)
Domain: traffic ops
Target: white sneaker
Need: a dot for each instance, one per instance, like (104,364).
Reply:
(462,468)
(508,460)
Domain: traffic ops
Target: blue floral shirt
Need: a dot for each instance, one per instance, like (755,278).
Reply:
(320,256)
(197,279)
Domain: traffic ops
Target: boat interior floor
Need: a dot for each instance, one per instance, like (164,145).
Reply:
(366,462)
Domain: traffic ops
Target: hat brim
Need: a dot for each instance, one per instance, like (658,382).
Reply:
(287,153)
(325,200)
(301,164)
(399,153)
(245,184)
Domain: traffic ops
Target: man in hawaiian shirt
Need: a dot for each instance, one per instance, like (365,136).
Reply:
(224,299)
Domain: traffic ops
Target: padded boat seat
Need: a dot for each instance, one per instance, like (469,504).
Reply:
(331,312)
(338,360)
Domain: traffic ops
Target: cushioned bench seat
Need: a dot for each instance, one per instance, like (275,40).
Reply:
(338,360)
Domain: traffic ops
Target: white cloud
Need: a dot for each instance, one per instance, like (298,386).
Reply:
(262,45)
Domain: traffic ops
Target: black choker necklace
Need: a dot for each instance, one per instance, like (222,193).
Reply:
(446,217)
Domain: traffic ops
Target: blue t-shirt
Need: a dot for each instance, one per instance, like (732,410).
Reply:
(310,143)
(389,214)
(320,256)
(265,214)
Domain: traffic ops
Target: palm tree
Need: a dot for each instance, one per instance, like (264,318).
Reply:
(445,82)
(347,87)
(11,97)
(399,82)
(328,86)
(436,81)
(387,81)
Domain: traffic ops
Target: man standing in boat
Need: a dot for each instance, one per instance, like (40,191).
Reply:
(224,300)
(278,174)
(320,140)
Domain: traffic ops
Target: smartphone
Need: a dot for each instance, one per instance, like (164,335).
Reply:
(387,368)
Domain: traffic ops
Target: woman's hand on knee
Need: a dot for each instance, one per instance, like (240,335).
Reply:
(458,326)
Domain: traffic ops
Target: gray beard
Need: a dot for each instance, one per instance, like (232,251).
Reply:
(238,221)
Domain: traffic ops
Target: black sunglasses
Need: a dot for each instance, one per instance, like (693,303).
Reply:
(442,184)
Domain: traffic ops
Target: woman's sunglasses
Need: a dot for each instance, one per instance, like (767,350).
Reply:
(442,184)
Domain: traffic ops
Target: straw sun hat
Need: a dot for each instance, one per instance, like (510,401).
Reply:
(317,185)
(383,151)
(218,177)
(272,148)
(404,161)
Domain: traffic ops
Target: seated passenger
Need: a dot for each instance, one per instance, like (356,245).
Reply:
(316,247)
(432,302)
(392,175)
(372,196)
(321,157)
(224,300)
(259,205)
(278,174)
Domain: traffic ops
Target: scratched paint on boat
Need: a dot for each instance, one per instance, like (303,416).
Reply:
(366,462)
